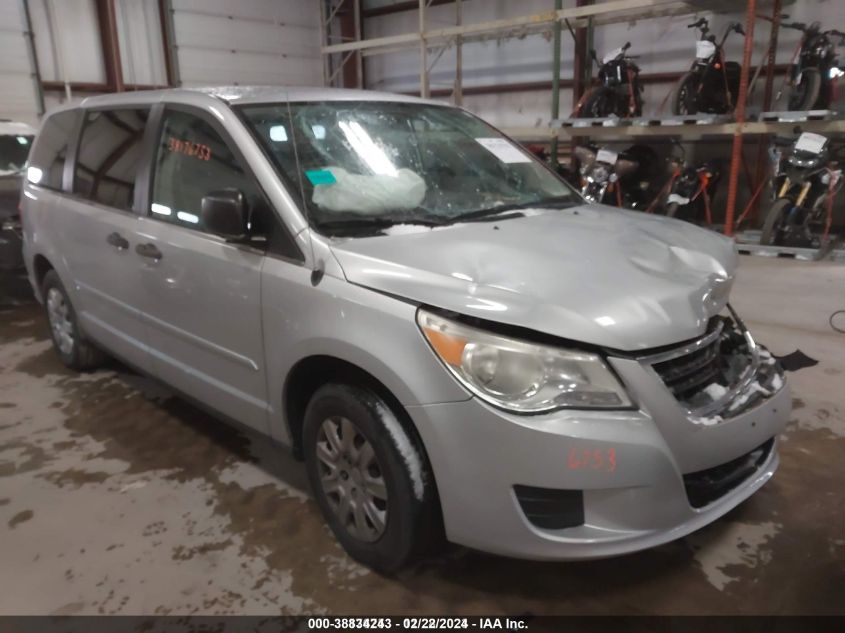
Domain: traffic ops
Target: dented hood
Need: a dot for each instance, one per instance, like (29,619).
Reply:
(592,274)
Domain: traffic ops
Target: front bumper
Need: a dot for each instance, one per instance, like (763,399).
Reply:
(629,465)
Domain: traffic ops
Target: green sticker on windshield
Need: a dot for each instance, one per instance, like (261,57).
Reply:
(321,177)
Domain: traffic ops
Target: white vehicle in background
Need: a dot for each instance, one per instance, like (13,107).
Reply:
(15,141)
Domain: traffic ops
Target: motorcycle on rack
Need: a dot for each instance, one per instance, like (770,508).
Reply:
(621,179)
(712,84)
(814,68)
(806,182)
(620,91)
(691,189)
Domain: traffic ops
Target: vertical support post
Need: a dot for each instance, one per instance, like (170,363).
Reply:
(458,90)
(107,18)
(736,150)
(555,82)
(324,41)
(582,63)
(347,17)
(359,57)
(762,167)
(425,91)
(168,37)
(582,67)
(33,56)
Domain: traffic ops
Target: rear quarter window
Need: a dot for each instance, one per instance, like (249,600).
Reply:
(109,156)
(48,156)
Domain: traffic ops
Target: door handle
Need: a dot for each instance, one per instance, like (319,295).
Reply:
(149,251)
(118,241)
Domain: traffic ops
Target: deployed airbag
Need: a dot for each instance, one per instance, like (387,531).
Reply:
(370,194)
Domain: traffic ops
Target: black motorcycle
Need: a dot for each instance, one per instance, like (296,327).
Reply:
(691,189)
(620,91)
(814,68)
(806,181)
(621,179)
(712,84)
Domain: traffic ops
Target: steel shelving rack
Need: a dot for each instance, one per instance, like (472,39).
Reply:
(581,20)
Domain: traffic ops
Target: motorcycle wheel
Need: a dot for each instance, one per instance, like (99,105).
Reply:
(685,101)
(775,221)
(805,94)
(600,103)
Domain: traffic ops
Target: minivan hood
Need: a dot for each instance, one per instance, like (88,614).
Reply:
(593,274)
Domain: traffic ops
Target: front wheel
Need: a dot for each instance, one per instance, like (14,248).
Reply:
(806,92)
(686,96)
(369,477)
(775,222)
(600,103)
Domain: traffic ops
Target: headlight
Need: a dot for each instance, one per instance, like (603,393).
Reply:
(600,174)
(522,376)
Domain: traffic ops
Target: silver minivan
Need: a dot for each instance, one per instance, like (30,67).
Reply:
(452,340)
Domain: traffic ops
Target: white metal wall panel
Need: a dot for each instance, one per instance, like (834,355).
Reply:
(251,41)
(487,62)
(78,51)
(18,99)
(141,44)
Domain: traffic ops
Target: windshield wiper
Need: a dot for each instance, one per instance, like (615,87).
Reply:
(348,223)
(491,212)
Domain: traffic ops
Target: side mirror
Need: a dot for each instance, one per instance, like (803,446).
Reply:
(223,213)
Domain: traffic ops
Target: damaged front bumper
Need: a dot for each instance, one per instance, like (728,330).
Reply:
(591,484)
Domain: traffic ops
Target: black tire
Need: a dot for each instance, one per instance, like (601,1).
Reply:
(81,355)
(600,103)
(805,94)
(685,101)
(410,520)
(774,220)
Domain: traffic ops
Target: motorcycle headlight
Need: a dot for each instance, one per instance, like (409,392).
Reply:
(522,376)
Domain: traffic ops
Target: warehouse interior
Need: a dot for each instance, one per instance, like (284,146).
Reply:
(121,494)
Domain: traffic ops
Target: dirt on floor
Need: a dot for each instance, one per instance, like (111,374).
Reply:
(118,497)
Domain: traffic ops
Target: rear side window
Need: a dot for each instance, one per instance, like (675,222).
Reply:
(109,156)
(47,160)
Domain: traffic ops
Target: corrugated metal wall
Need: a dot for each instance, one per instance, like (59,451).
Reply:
(18,100)
(141,43)
(217,42)
(248,42)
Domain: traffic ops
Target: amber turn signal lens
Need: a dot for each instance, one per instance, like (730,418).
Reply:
(449,348)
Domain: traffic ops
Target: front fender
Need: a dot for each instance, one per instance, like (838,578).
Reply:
(373,331)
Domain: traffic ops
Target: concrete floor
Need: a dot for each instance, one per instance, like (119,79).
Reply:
(117,498)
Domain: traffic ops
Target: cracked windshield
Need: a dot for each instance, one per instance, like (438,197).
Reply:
(360,166)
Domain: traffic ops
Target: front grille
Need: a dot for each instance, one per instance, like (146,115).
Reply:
(702,371)
(705,486)
(551,508)
(689,373)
